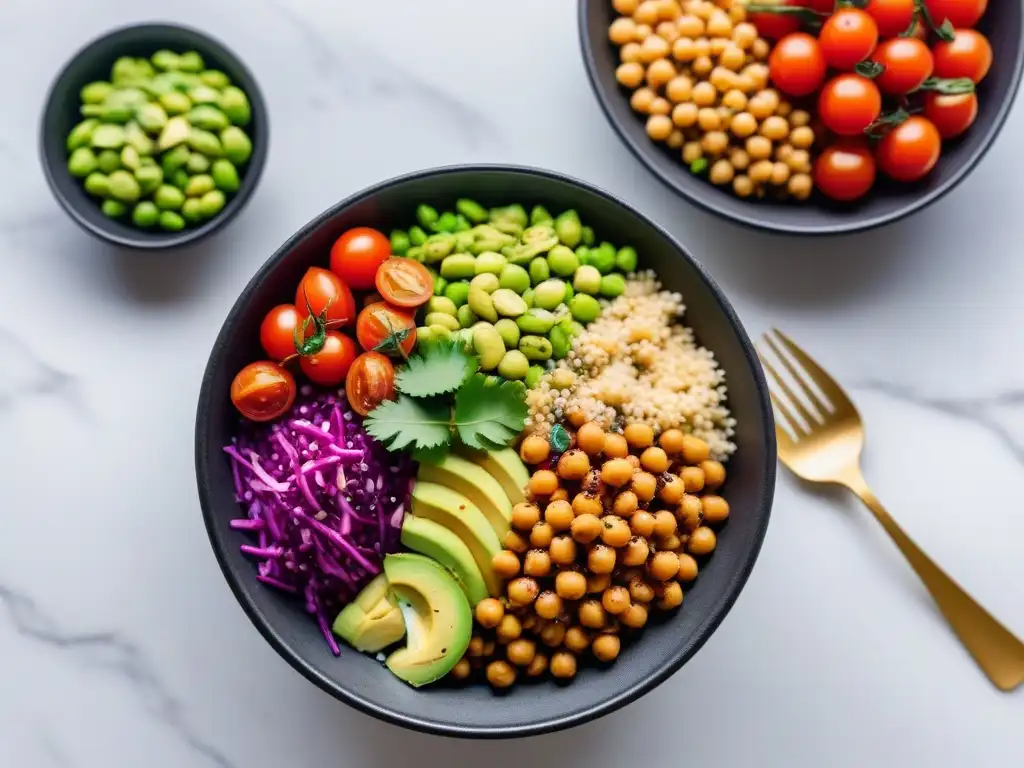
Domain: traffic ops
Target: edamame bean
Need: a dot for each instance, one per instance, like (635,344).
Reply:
(508,303)
(587,235)
(626,259)
(603,257)
(136,138)
(528,297)
(465,337)
(225,175)
(535,347)
(82,162)
(440,332)
(447,222)
(171,221)
(152,117)
(441,304)
(534,375)
(424,335)
(164,59)
(198,163)
(549,294)
(96,184)
(206,142)
(480,302)
(417,236)
(199,185)
(488,238)
(145,214)
(488,346)
(108,137)
(568,228)
(108,161)
(439,285)
(509,332)
(536,321)
(569,292)
(207,116)
(539,270)
(613,285)
(461,224)
(214,78)
(415,253)
(175,159)
(204,95)
(437,247)
(464,242)
(176,132)
(190,61)
(192,210)
(236,144)
(514,365)
(399,242)
(124,187)
(458,266)
(584,308)
(511,219)
(130,158)
(235,104)
(212,203)
(175,102)
(115,209)
(563,261)
(457,292)
(466,316)
(169,198)
(587,280)
(514,278)
(540,215)
(442,318)
(490,262)
(426,215)
(81,134)
(486,282)
(583,254)
(95,93)
(560,342)
(180,179)
(472,210)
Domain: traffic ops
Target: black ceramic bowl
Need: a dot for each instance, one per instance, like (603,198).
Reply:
(61,114)
(1003,24)
(475,711)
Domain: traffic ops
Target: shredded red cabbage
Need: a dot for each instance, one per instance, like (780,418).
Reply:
(325,502)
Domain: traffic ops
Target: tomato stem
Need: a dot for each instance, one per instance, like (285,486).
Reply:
(805,14)
(885,123)
(949,86)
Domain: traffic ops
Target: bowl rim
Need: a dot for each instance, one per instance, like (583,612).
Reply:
(643,152)
(144,240)
(733,586)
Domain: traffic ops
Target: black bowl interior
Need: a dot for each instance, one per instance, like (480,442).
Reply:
(475,711)
(889,201)
(93,62)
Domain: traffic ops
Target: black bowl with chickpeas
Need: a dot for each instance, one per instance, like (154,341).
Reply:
(722,538)
(688,86)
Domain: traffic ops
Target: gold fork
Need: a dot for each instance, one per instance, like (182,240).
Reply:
(824,446)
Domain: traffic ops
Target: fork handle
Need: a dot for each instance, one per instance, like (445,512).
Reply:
(999,654)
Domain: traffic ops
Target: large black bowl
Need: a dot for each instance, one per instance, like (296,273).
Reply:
(1003,24)
(61,114)
(475,711)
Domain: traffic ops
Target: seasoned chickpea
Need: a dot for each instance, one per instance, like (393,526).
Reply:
(521,652)
(570,585)
(548,605)
(562,550)
(664,524)
(761,171)
(625,504)
(702,541)
(584,503)
(671,441)
(660,72)
(780,174)
(693,478)
(634,462)
(489,612)
(616,472)
(641,101)
(577,639)
(760,49)
(647,12)
(501,674)
(708,119)
(758,73)
(601,559)
(575,415)
(703,47)
(590,437)
(586,528)
(592,614)
(525,515)
(660,106)
(704,95)
(615,600)
(563,665)
(559,515)
(553,634)
(664,565)
(739,158)
(800,186)
(719,24)
(799,161)
(625,7)
(667,31)
(678,90)
(523,591)
(671,596)
(735,100)
(690,513)
(615,446)
(743,35)
(692,151)
(630,74)
(775,128)
(672,541)
(537,562)
(718,45)
(732,58)
(560,494)
(721,173)
(534,449)
(640,591)
(759,148)
(783,109)
(694,449)
(538,666)
(515,542)
(630,54)
(461,670)
(684,50)
(799,118)
(505,564)
(544,482)
(622,31)
(606,647)
(636,615)
(659,127)
(783,152)
(598,582)
(715,143)
(541,535)
(642,523)
(687,568)
(802,137)
(530,620)
(509,628)
(616,531)
(716,509)
(770,97)
(745,83)
(743,125)
(636,551)
(644,485)
(743,186)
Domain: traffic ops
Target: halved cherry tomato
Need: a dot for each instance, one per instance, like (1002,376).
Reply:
(376,324)
(797,64)
(910,150)
(961,13)
(849,35)
(404,282)
(967,55)
(952,114)
(845,171)
(277,331)
(892,16)
(321,289)
(848,104)
(329,366)
(370,381)
(907,62)
(263,391)
(356,255)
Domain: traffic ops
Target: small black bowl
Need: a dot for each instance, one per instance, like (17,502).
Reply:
(474,711)
(1003,25)
(61,114)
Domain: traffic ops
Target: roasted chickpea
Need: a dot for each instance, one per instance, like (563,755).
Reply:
(759,148)
(541,535)
(642,523)
(703,47)
(800,186)
(775,128)
(615,600)
(672,542)
(489,612)
(625,504)
(630,54)
(675,139)
(562,550)
(534,448)
(653,48)
(721,173)
(744,35)
(560,494)
(715,142)
(634,461)
(606,647)
(716,509)
(537,563)
(622,31)
(577,418)
(733,58)
(548,605)
(577,639)
(521,652)
(501,674)
(758,73)
(671,441)
(690,513)
(559,515)
(636,551)
(584,503)
(667,31)
(538,666)
(799,161)
(743,125)
(647,12)
(704,93)
(586,528)
(684,50)
(687,568)
(743,186)
(723,79)
(802,137)
(780,174)
(670,596)
(615,446)
(476,647)
(598,582)
(692,151)
(505,564)
(522,591)
(702,541)
(659,73)
(760,49)
(660,106)
(677,90)
(514,542)
(525,515)
(659,127)
(761,171)
(563,665)
(553,634)
(461,670)
(672,489)
(570,585)
(601,559)
(735,100)
(636,615)
(664,565)
(739,159)
(644,485)
(690,26)
(544,482)
(664,524)
(616,531)
(654,460)
(799,118)
(508,629)
(590,437)
(625,7)
(719,24)
(592,614)
(685,115)
(693,478)
(630,74)
(616,472)
(640,101)
(783,151)
(640,591)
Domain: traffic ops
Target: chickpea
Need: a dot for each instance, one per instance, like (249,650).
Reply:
(616,472)
(714,143)
(780,174)
(687,567)
(548,605)
(636,551)
(743,186)
(525,515)
(783,152)
(702,541)
(586,528)
(759,148)
(702,46)
(743,125)
(538,666)
(745,83)
(640,591)
(515,542)
(461,670)
(664,524)
(606,647)
(640,101)
(521,652)
(660,106)
(760,49)
(664,565)
(718,46)
(667,31)
(642,523)
(690,513)
(577,639)
(672,542)
(562,550)
(535,448)
(476,647)
(560,494)
(553,634)
(592,614)
(584,503)
(704,95)
(690,26)
(799,118)
(716,509)
(590,437)
(489,612)
(671,596)
(630,54)
(684,49)
(658,128)
(783,109)
(615,446)
(541,535)
(660,72)
(685,115)
(646,12)
(508,629)
(693,478)
(630,74)
(622,31)
(559,515)
(692,151)
(678,90)
(501,674)
(616,531)
(522,591)
(625,7)
(743,35)
(636,615)
(758,73)
(570,585)
(770,97)
(529,621)
(725,116)
(563,665)
(732,58)
(735,100)
(761,171)
(669,10)
(537,563)
(576,416)
(615,600)
(694,449)
(601,559)
(799,161)
(544,482)
(738,13)
(708,119)
(775,128)
(505,564)
(625,504)
(671,441)
(721,173)
(800,186)
(739,159)
(802,137)
(598,582)
(644,485)
(574,464)
(719,24)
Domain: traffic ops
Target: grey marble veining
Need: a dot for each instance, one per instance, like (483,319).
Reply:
(120,644)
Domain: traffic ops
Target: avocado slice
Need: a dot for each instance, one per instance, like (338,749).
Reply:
(473,482)
(439,621)
(373,620)
(503,465)
(458,514)
(434,540)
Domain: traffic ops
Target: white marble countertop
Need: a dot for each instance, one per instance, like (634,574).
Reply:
(120,643)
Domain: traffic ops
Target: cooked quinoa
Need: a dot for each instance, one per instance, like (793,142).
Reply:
(638,363)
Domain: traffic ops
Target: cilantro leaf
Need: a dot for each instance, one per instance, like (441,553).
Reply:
(410,423)
(439,368)
(487,417)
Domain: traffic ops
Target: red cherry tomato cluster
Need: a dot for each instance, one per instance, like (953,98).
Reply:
(307,332)
(891,78)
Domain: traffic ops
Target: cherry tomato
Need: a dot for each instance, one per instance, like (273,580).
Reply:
(370,381)
(277,332)
(910,150)
(892,16)
(776,26)
(848,104)
(951,114)
(797,64)
(907,62)
(324,289)
(961,13)
(849,35)
(845,171)
(378,321)
(968,55)
(404,282)
(329,366)
(263,391)
(356,255)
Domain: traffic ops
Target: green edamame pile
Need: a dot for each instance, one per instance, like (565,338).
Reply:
(162,142)
(516,287)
